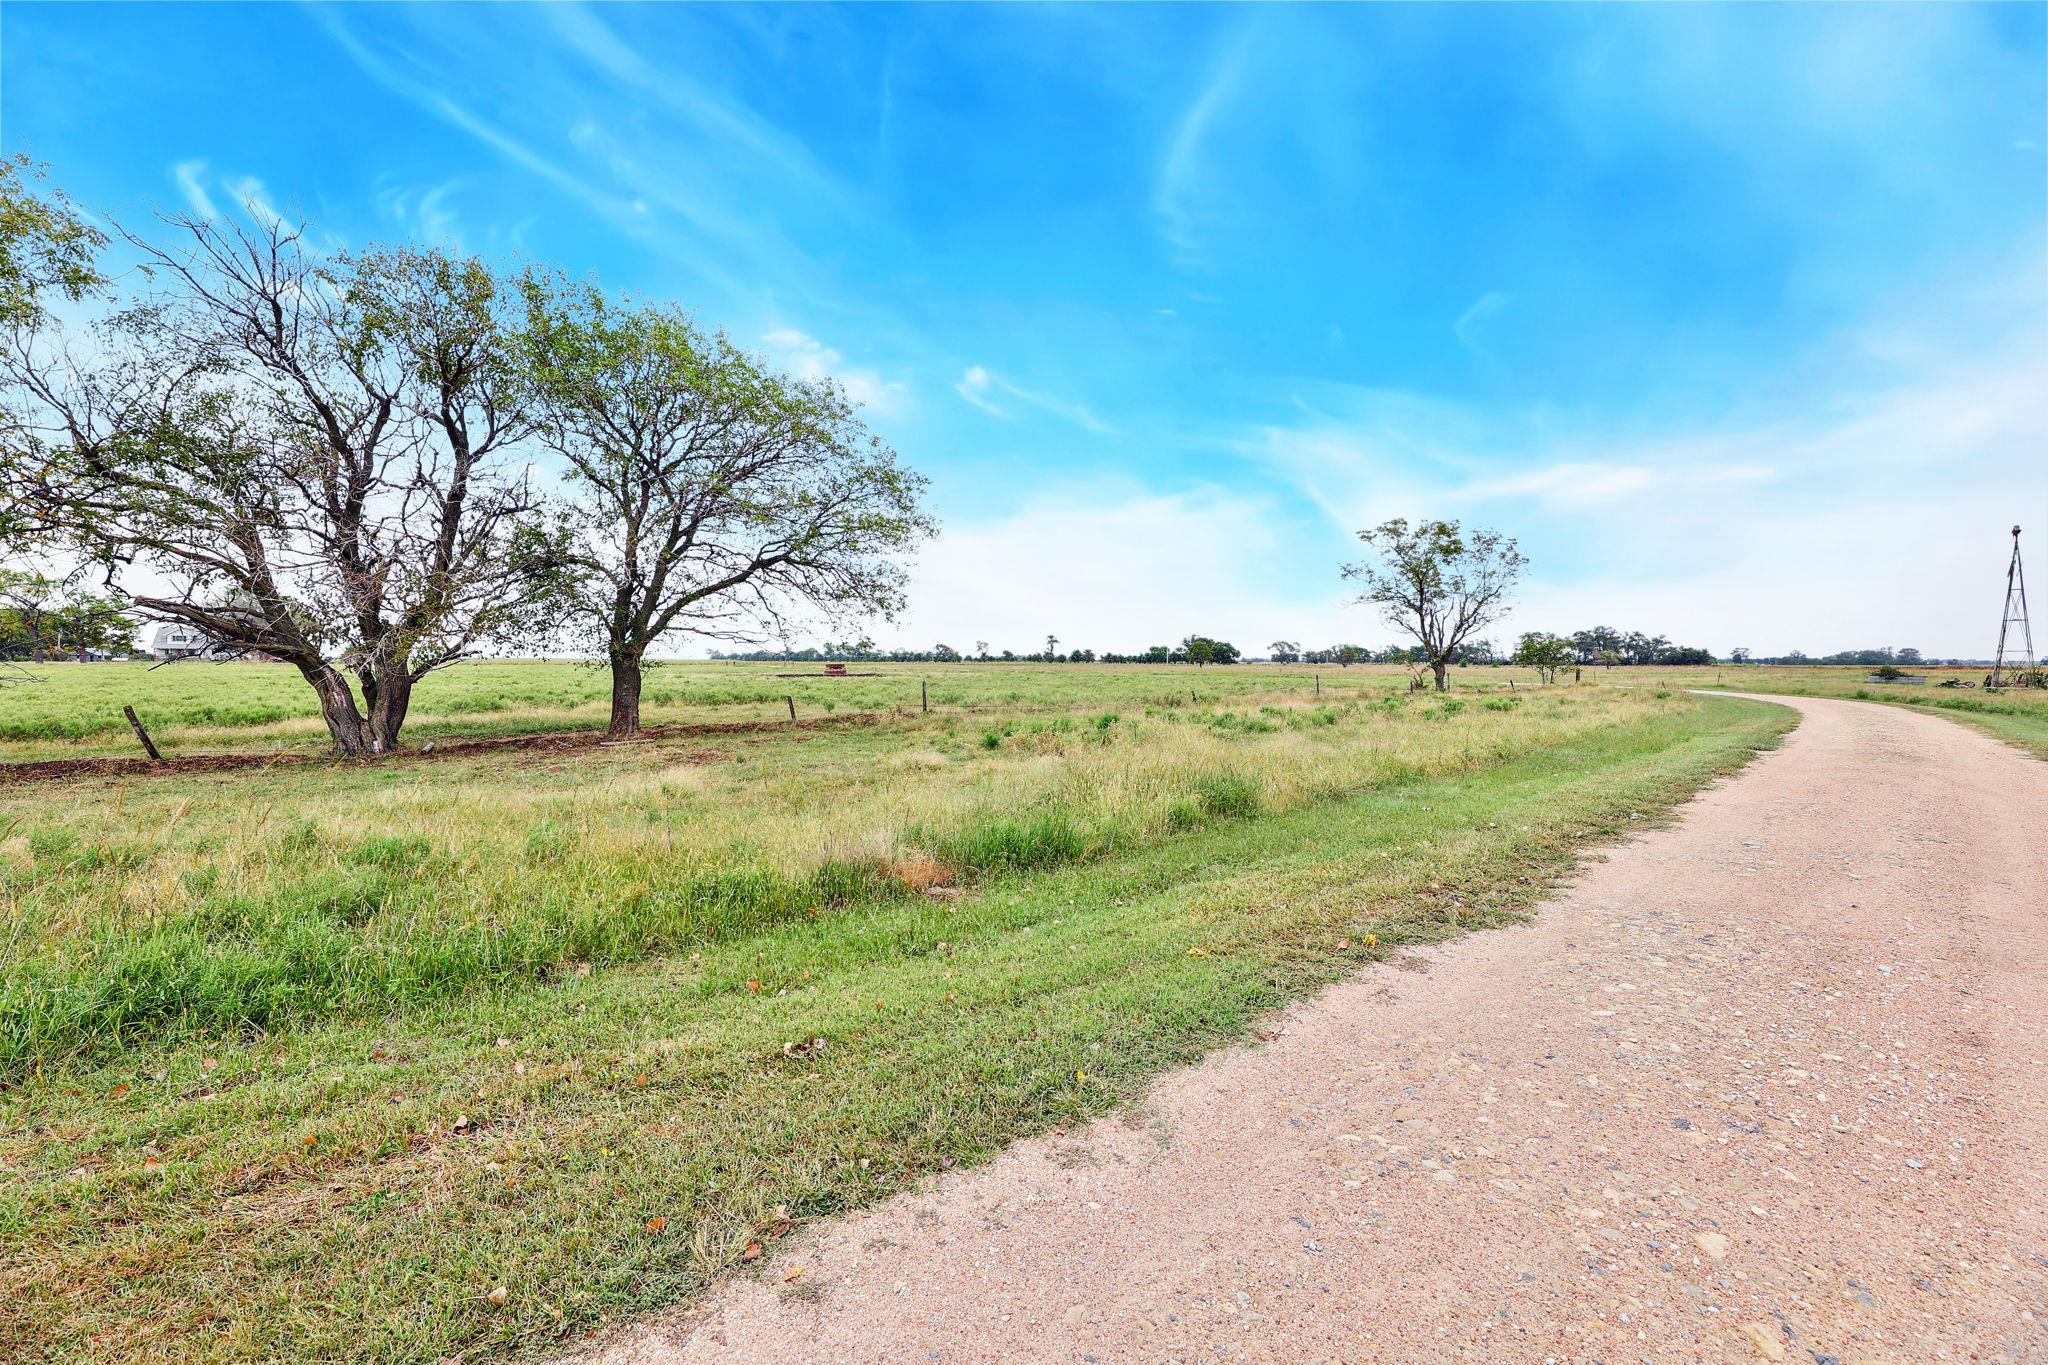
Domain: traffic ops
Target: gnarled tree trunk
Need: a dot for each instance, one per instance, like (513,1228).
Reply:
(626,667)
(338,708)
(392,699)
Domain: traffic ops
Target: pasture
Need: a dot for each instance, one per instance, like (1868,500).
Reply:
(593,1028)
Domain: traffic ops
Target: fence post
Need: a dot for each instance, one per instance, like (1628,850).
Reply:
(147,746)
(792,706)
(924,695)
(1319,684)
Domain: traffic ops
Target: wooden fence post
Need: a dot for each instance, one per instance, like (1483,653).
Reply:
(792,706)
(136,725)
(924,695)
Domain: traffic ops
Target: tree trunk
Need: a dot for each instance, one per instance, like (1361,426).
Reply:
(387,713)
(1442,670)
(626,667)
(338,708)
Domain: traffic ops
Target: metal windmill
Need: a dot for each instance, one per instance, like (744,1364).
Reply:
(2015,661)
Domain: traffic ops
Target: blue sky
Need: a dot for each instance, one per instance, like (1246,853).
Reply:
(1736,316)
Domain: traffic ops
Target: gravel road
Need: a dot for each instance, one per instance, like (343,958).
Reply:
(1765,1085)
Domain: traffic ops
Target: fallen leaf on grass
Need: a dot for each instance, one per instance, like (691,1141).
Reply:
(656,1223)
(753,985)
(497,1297)
(752,1253)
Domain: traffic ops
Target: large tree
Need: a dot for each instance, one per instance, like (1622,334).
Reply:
(308,455)
(710,494)
(1438,582)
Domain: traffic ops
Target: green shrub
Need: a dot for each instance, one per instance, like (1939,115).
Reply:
(1227,794)
(1003,844)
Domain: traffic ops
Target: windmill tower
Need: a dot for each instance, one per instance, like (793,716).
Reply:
(2015,661)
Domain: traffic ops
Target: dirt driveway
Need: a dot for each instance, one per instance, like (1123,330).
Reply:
(1766,1085)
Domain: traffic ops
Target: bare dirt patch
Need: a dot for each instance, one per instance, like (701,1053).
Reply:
(563,742)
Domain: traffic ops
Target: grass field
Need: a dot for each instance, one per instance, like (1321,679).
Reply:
(585,1026)
(75,709)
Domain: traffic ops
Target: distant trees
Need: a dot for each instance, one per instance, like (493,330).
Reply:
(1052,645)
(1201,650)
(1869,658)
(1608,647)
(1284,652)
(1438,582)
(41,618)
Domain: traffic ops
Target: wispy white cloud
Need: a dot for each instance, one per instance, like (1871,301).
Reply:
(974,386)
(190,176)
(1181,183)
(429,96)
(254,197)
(1470,324)
(977,384)
(808,358)
(1575,484)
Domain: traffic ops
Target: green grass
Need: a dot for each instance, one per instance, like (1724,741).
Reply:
(351,1179)
(75,709)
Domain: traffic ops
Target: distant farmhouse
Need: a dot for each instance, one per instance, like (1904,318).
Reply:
(174,642)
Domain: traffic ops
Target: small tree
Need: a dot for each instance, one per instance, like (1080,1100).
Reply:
(981,649)
(710,492)
(1284,652)
(1544,652)
(1052,649)
(1438,582)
